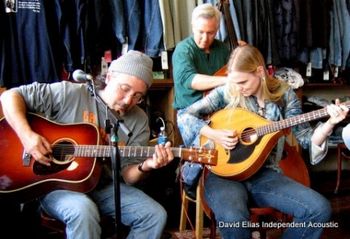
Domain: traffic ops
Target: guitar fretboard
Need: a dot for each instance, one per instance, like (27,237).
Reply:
(299,119)
(199,155)
(125,151)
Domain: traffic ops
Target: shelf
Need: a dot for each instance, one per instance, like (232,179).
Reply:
(162,84)
(323,85)
(161,97)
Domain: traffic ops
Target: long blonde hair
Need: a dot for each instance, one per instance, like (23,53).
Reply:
(247,59)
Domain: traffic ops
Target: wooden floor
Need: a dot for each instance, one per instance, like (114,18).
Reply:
(15,224)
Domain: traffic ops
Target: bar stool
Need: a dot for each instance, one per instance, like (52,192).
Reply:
(201,210)
(342,153)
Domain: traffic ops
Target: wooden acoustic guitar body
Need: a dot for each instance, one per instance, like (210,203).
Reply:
(251,152)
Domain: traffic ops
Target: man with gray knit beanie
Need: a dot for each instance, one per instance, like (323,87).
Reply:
(136,64)
(126,83)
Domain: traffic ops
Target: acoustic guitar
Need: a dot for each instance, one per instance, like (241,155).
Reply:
(74,167)
(257,137)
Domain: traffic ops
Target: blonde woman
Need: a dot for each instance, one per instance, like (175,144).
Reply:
(249,86)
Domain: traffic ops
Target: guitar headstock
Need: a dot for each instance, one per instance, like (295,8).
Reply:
(200,155)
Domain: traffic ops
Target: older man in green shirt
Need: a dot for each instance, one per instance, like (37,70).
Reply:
(195,61)
(198,57)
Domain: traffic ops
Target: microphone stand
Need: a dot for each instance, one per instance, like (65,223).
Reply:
(112,131)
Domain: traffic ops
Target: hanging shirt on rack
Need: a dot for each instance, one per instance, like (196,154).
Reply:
(26,53)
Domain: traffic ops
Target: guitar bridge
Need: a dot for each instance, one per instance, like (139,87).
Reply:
(26,159)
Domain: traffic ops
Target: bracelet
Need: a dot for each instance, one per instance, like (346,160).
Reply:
(140,167)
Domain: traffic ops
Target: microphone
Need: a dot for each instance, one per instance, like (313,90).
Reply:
(81,76)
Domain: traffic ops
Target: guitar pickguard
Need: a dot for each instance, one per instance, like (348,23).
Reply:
(241,152)
(41,169)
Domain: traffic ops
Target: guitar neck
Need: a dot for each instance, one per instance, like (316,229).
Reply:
(299,119)
(125,151)
(199,155)
(144,151)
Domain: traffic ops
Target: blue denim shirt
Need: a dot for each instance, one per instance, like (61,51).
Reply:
(340,33)
(153,33)
(192,119)
(118,20)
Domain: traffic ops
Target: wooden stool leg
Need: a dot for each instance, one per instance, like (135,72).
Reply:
(339,168)
(212,226)
(184,208)
(199,214)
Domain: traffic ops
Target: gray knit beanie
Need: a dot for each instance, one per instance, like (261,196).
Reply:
(134,63)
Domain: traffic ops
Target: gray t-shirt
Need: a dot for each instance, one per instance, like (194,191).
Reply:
(66,102)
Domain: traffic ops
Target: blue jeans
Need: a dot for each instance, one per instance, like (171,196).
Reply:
(133,22)
(118,20)
(81,214)
(230,201)
(341,31)
(153,34)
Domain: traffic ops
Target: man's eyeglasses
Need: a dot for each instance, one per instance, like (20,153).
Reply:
(126,89)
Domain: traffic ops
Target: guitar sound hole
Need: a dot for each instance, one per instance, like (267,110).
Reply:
(249,136)
(63,152)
